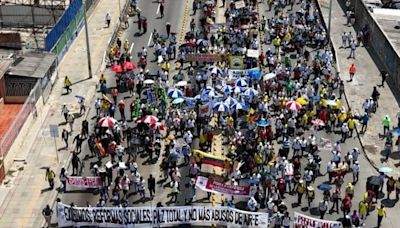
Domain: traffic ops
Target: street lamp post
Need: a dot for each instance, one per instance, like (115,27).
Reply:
(87,41)
(330,19)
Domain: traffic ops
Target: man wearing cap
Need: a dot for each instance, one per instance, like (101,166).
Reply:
(310,195)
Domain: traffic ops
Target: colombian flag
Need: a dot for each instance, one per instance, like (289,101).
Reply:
(209,159)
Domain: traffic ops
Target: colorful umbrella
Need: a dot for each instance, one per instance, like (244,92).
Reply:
(149,119)
(174,93)
(181,84)
(107,122)
(230,101)
(237,106)
(159,126)
(293,105)
(129,65)
(250,92)
(238,89)
(318,122)
(220,107)
(209,93)
(302,100)
(215,70)
(262,123)
(324,187)
(227,89)
(117,68)
(241,82)
(80,98)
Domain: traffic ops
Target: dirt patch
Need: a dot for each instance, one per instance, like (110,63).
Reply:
(371,149)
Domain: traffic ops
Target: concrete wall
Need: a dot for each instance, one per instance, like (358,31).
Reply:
(386,52)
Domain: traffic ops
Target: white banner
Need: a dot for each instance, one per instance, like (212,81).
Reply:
(235,74)
(161,216)
(252,53)
(304,221)
(83,182)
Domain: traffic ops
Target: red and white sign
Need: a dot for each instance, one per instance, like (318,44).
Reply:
(210,185)
(84,182)
(304,221)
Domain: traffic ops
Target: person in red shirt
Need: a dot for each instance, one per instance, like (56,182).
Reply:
(121,106)
(111,150)
(114,94)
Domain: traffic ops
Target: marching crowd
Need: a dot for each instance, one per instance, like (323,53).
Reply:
(271,122)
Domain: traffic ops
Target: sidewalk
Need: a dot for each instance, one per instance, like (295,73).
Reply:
(26,194)
(359,89)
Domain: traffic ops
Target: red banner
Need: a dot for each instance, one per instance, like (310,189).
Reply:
(84,182)
(210,185)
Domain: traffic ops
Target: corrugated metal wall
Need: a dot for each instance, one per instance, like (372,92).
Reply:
(69,15)
(27,16)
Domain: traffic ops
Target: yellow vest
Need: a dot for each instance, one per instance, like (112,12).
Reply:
(381,211)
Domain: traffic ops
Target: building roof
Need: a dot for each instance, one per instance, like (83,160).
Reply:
(4,66)
(388,20)
(32,64)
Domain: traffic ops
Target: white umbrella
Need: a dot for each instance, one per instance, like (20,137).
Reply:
(181,83)
(148,82)
(269,76)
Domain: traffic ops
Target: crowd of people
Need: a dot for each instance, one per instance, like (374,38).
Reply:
(270,109)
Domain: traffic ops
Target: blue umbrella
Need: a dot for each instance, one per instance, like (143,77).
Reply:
(385,169)
(396,131)
(238,89)
(324,187)
(230,101)
(262,123)
(250,92)
(174,93)
(209,93)
(237,106)
(178,100)
(255,74)
(220,107)
(241,82)
(190,101)
(227,89)
(215,70)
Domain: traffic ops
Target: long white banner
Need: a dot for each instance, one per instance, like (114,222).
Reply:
(304,221)
(161,216)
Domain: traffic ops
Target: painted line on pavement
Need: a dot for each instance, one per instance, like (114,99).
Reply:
(158,9)
(130,49)
(151,37)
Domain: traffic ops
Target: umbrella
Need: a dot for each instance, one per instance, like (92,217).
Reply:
(316,98)
(324,187)
(227,89)
(269,76)
(230,101)
(237,106)
(255,74)
(238,89)
(302,100)
(374,180)
(385,169)
(117,68)
(178,100)
(181,84)
(396,131)
(241,82)
(80,97)
(129,65)
(215,70)
(158,125)
(293,105)
(318,122)
(209,93)
(221,107)
(174,93)
(107,122)
(148,82)
(202,42)
(250,92)
(149,119)
(262,123)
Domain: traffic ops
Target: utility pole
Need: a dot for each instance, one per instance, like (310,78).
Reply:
(87,41)
(330,19)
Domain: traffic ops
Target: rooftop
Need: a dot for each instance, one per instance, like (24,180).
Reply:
(389,21)
(4,66)
(32,64)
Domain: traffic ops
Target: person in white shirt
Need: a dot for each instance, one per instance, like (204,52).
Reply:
(356,171)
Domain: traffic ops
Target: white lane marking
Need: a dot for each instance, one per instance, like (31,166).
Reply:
(130,49)
(158,9)
(150,38)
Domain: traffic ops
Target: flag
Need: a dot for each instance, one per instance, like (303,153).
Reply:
(209,159)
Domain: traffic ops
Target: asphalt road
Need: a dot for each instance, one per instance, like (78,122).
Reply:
(173,14)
